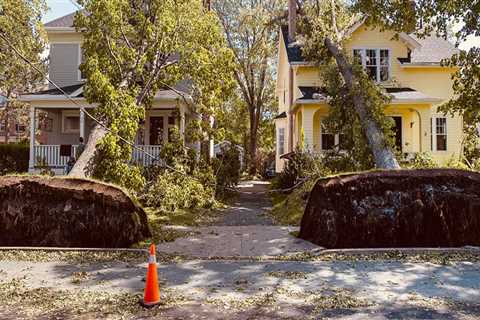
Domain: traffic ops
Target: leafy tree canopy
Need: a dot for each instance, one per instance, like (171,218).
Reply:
(135,48)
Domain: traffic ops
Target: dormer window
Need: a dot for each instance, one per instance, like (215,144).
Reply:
(375,61)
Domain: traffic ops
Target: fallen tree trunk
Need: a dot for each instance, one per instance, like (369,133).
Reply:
(84,164)
(401,208)
(68,212)
(382,153)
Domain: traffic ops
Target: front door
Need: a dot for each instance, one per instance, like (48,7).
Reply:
(397,129)
(156,130)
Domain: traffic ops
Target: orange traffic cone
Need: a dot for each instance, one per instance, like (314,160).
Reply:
(151,296)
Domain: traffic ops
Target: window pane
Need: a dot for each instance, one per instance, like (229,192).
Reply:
(372,73)
(384,57)
(441,142)
(72,123)
(171,120)
(281,141)
(371,57)
(441,125)
(383,73)
(328,141)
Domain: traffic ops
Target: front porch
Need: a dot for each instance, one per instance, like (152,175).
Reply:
(62,128)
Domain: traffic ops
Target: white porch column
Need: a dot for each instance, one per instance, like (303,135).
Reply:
(82,124)
(33,124)
(211,146)
(182,123)
(307,123)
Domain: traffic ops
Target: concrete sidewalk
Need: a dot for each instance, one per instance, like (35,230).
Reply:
(379,285)
(237,241)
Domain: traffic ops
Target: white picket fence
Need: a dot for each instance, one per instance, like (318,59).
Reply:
(49,155)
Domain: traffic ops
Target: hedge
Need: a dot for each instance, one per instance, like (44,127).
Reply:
(14,158)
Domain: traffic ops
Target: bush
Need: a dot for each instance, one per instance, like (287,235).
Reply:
(14,157)
(422,160)
(301,165)
(172,191)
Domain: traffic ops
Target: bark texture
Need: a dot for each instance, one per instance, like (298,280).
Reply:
(383,155)
(401,208)
(83,165)
(41,211)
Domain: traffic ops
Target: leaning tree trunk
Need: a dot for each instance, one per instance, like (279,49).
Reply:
(83,163)
(382,153)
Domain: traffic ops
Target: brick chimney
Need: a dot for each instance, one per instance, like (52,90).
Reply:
(292,20)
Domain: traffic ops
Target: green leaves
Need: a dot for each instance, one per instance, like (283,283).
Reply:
(135,48)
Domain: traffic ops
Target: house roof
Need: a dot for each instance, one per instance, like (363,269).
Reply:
(408,95)
(433,49)
(398,95)
(430,50)
(282,115)
(62,22)
(56,92)
(312,93)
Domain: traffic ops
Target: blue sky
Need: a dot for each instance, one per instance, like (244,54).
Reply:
(60,8)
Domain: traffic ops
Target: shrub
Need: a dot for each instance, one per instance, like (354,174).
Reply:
(172,190)
(422,160)
(299,166)
(14,157)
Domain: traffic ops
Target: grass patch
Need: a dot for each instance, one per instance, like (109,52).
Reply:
(288,209)
(183,217)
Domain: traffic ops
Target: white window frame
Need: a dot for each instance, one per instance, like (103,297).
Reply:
(281,144)
(363,51)
(336,139)
(435,133)
(70,113)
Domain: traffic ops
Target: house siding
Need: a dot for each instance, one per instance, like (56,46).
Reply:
(64,62)
(433,81)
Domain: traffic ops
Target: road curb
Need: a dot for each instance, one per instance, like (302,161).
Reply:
(60,249)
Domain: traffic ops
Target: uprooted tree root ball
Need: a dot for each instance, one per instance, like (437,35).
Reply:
(44,211)
(402,208)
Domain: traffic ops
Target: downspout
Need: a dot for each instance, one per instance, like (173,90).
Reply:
(419,129)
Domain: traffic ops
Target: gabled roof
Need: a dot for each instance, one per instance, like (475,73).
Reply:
(398,95)
(62,22)
(429,50)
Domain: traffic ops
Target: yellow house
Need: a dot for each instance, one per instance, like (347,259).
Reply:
(407,67)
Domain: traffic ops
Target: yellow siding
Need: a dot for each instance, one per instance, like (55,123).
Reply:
(433,81)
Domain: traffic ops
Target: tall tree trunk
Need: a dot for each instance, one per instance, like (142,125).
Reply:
(253,139)
(82,167)
(383,155)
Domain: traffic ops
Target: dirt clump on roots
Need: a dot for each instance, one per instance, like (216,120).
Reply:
(401,208)
(68,212)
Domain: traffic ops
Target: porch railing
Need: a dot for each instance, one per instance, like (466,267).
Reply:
(49,155)
(140,158)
